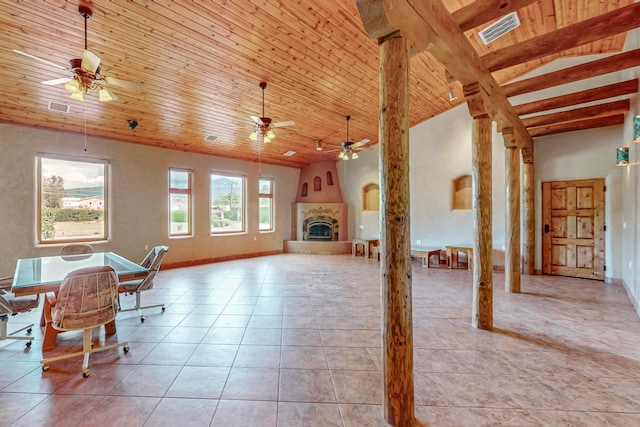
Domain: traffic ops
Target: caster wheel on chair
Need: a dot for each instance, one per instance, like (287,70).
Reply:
(45,368)
(141,319)
(28,344)
(85,374)
(29,331)
(163,309)
(125,349)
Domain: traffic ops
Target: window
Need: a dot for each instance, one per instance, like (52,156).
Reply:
(227,203)
(179,202)
(265,204)
(72,199)
(329,178)
(317,184)
(305,187)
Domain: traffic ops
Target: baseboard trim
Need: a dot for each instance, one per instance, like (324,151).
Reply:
(203,261)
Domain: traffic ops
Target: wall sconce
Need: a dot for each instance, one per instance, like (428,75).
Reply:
(452,96)
(636,129)
(318,146)
(622,156)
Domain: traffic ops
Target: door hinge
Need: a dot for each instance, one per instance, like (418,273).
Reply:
(604,188)
(604,268)
(605,228)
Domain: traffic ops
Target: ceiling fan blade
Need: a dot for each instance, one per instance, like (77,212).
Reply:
(125,84)
(56,81)
(283,124)
(90,61)
(258,120)
(28,55)
(359,143)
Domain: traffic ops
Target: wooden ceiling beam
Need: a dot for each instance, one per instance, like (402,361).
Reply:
(610,64)
(577,125)
(608,24)
(429,26)
(589,95)
(482,11)
(590,112)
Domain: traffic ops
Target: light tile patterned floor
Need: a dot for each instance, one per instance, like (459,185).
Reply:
(294,340)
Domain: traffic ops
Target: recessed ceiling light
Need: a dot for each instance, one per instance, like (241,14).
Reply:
(289,153)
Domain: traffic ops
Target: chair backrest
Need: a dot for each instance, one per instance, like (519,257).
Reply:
(152,263)
(76,249)
(87,298)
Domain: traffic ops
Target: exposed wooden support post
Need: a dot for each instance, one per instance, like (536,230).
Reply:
(482,316)
(512,211)
(395,268)
(529,218)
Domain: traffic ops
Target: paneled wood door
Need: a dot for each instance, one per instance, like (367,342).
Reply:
(573,228)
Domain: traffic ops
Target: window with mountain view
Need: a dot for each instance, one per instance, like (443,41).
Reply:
(72,199)
(227,203)
(180,202)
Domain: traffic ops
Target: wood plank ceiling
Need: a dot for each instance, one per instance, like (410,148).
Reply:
(202,61)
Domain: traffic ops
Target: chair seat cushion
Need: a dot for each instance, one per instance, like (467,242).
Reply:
(19,304)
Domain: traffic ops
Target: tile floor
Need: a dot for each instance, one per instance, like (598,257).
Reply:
(294,340)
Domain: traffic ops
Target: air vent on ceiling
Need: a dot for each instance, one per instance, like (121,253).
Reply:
(499,28)
(289,153)
(210,138)
(55,106)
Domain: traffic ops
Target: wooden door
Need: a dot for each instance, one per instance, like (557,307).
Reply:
(573,228)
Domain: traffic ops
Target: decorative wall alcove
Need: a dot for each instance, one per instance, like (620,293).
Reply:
(371,197)
(461,197)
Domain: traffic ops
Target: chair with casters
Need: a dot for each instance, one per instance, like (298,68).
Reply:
(76,249)
(10,305)
(152,263)
(87,299)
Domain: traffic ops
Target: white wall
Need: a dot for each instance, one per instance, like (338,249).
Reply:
(138,198)
(439,152)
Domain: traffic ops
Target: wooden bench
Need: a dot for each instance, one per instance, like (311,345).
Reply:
(454,260)
(431,257)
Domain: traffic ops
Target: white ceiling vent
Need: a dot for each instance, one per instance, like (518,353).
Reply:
(289,153)
(210,138)
(499,28)
(55,106)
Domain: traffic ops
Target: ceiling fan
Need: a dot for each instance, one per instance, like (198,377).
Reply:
(349,148)
(86,72)
(264,125)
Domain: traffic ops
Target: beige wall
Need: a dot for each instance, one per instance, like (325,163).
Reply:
(138,198)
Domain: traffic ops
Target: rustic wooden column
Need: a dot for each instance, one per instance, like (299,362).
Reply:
(512,212)
(529,218)
(395,267)
(482,316)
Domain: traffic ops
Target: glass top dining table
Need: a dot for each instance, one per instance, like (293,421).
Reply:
(45,274)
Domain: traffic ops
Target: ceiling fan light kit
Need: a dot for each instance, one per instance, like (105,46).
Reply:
(264,124)
(86,73)
(349,147)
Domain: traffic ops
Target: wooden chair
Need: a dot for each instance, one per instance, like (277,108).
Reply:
(87,299)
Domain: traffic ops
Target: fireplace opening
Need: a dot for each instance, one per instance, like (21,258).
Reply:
(320,228)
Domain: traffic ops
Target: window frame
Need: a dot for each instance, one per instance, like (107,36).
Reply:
(38,211)
(269,196)
(243,199)
(189,192)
